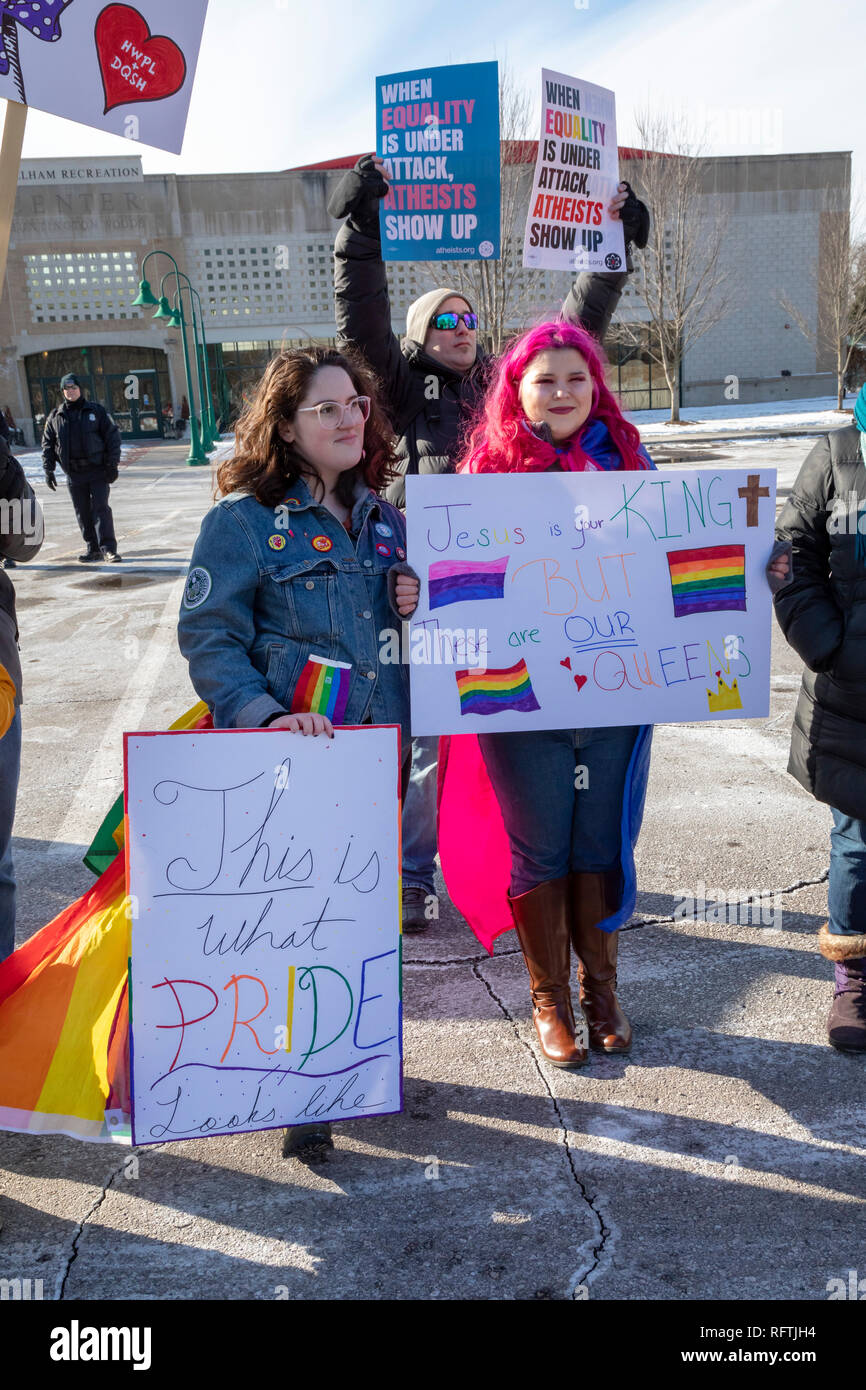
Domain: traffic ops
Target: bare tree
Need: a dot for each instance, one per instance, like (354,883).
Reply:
(682,277)
(500,290)
(839,277)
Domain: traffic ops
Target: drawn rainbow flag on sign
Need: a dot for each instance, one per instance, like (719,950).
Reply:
(451,581)
(490,692)
(708,580)
(323,688)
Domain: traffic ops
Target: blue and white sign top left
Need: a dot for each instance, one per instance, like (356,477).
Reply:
(437,129)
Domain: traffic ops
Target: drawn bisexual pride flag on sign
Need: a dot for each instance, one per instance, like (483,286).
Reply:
(490,692)
(708,580)
(323,688)
(451,581)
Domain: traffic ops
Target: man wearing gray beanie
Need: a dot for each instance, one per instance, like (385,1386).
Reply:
(433,383)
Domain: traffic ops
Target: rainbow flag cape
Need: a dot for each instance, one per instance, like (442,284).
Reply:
(451,581)
(489,692)
(323,688)
(64,1011)
(708,580)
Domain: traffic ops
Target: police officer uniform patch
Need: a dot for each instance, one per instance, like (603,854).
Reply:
(198,586)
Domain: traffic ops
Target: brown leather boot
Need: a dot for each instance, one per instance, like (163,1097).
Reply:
(542,918)
(594,897)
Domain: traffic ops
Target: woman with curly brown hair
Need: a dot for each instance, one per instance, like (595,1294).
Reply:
(297,569)
(300,565)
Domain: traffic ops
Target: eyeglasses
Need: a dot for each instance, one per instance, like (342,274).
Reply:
(331,415)
(447,322)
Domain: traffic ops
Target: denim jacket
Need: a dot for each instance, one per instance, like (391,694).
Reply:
(268,587)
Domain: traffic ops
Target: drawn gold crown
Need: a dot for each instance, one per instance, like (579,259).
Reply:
(726,697)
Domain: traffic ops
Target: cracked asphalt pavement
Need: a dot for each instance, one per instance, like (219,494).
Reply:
(723,1158)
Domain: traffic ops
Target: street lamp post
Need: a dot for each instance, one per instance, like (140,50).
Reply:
(175,320)
(210,434)
(145,296)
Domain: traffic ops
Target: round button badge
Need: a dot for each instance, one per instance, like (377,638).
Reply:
(277,542)
(383,549)
(322,543)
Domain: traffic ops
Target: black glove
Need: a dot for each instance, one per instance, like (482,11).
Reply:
(635,219)
(111,473)
(50,479)
(357,196)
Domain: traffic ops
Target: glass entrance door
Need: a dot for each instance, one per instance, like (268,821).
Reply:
(133,399)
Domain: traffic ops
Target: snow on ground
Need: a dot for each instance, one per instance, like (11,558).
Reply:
(734,416)
(31,461)
(785,455)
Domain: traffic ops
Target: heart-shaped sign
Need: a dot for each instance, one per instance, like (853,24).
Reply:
(135,64)
(580,682)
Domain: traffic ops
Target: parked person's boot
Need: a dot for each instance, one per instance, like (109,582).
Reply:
(594,897)
(309,1143)
(416,902)
(542,918)
(846,1025)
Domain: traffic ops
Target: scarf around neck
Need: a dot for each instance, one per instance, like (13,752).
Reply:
(592,451)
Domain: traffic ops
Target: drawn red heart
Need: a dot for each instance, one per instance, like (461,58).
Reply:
(566,662)
(135,64)
(580,682)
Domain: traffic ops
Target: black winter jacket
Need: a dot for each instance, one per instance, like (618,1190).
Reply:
(21,535)
(100,439)
(822,613)
(430,405)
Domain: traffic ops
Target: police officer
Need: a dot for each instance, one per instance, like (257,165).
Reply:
(82,437)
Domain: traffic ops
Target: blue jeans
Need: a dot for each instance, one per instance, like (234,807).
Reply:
(561,797)
(419,816)
(846,893)
(10,763)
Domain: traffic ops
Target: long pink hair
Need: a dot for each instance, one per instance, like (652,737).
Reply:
(499,441)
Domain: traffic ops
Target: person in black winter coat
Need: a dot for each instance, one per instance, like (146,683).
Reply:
(21,535)
(433,384)
(822,612)
(82,437)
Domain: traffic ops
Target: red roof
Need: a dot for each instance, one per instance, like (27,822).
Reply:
(516,152)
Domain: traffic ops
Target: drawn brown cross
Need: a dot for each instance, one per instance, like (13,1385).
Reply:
(752,493)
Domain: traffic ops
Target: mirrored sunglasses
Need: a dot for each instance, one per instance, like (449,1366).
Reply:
(446,322)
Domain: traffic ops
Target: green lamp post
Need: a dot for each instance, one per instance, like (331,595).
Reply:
(146,298)
(209,432)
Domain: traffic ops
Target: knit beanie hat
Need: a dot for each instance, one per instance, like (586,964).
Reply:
(69,380)
(421,312)
(860,409)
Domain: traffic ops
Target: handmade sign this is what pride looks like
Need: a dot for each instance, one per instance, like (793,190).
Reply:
(265,974)
(437,130)
(584,600)
(568,226)
(127,69)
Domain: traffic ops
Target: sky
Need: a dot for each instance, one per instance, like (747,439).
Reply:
(283,83)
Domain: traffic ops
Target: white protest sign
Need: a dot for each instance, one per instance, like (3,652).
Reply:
(126,69)
(265,976)
(580,600)
(576,174)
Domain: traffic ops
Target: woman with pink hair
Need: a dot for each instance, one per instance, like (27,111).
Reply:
(572,881)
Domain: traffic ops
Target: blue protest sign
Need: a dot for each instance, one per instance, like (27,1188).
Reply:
(437,129)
